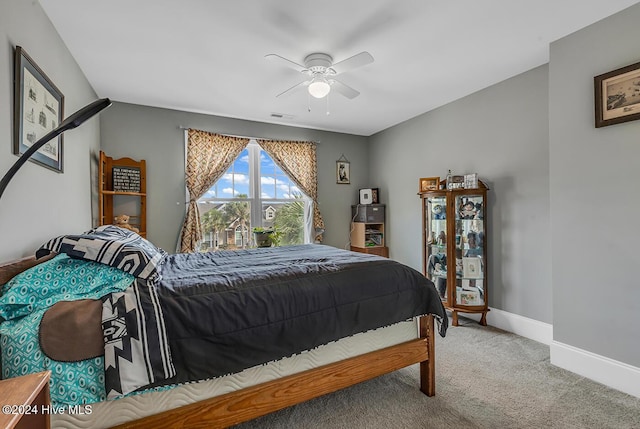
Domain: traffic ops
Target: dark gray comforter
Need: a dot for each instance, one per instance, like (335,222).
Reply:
(227,311)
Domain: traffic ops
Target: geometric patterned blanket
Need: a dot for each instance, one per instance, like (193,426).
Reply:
(136,349)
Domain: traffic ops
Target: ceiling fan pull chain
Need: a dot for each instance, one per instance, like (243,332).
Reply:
(308,102)
(328,105)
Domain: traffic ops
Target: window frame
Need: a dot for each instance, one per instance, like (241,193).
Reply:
(255,199)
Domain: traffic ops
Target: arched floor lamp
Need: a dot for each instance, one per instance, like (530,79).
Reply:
(71,122)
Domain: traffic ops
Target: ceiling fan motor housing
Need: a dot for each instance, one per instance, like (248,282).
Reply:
(319,63)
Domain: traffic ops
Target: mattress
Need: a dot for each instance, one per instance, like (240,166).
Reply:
(109,413)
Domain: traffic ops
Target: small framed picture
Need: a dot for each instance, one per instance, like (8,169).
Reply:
(617,96)
(456,182)
(471,268)
(471,181)
(469,297)
(374,196)
(343,175)
(429,184)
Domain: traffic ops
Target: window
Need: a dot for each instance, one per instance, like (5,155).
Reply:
(254,192)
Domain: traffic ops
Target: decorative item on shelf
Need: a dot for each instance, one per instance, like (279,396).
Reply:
(126,179)
(467,209)
(439,212)
(471,181)
(375,196)
(455,182)
(366,196)
(343,173)
(123,222)
(616,96)
(429,184)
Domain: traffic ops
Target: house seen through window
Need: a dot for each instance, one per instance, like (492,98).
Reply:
(253,192)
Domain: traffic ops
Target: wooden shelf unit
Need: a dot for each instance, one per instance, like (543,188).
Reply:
(363,234)
(111,201)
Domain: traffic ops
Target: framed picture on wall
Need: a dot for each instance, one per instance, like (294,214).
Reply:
(343,175)
(617,96)
(38,109)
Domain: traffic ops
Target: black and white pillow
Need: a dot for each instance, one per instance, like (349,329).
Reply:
(113,246)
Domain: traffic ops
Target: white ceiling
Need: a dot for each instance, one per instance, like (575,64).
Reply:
(207,56)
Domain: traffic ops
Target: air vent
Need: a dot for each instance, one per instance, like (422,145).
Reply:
(281,116)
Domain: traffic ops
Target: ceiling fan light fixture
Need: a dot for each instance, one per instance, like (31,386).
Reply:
(319,88)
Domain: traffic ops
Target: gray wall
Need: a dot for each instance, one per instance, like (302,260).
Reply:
(595,200)
(502,134)
(154,134)
(39,203)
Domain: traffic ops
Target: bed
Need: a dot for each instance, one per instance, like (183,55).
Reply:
(233,335)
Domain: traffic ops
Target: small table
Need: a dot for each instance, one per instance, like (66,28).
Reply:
(23,399)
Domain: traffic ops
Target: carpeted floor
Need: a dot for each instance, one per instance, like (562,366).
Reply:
(486,378)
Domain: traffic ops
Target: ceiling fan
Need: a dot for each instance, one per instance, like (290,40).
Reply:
(320,71)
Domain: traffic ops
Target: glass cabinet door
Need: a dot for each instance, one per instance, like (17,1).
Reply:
(470,250)
(436,243)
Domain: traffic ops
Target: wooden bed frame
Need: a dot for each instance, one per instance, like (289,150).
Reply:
(255,401)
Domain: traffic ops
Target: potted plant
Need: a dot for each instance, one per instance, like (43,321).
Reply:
(262,236)
(266,237)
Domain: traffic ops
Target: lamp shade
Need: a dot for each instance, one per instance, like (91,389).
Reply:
(319,88)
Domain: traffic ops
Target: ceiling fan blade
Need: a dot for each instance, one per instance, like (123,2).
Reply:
(343,89)
(295,87)
(358,60)
(286,62)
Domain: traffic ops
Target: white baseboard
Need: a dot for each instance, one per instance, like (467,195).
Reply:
(519,325)
(611,373)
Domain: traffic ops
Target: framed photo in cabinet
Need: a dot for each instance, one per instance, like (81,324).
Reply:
(469,297)
(471,268)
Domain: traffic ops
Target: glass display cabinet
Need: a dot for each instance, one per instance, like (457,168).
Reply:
(455,247)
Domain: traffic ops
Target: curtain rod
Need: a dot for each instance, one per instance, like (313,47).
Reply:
(246,137)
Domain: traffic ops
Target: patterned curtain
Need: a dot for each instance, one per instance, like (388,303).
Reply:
(298,161)
(209,155)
